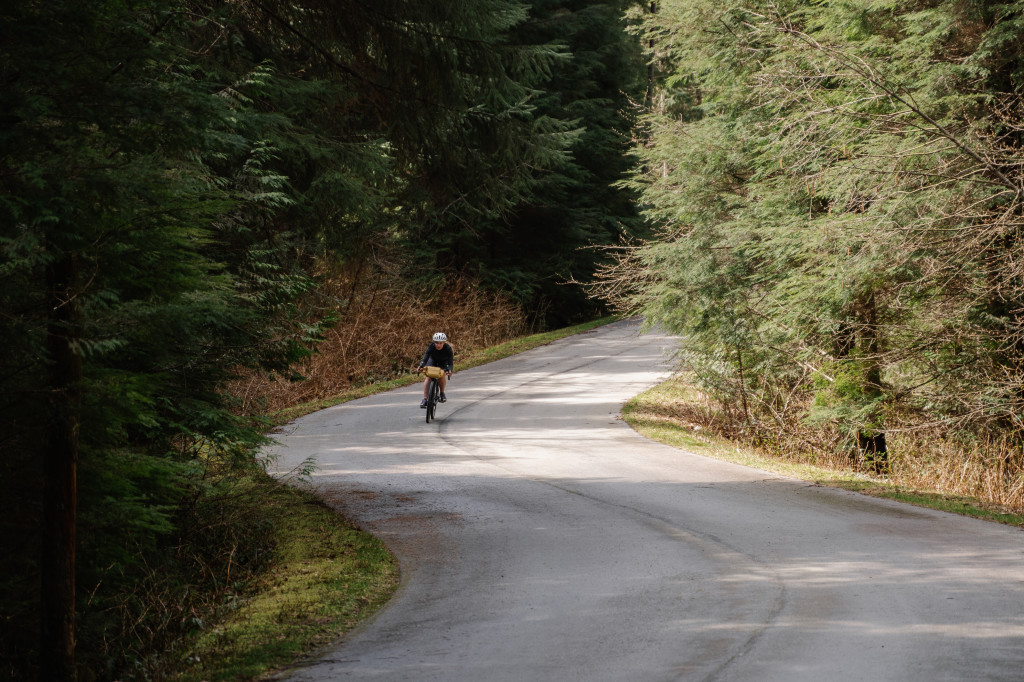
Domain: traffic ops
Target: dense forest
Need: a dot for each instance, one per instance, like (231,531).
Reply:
(201,201)
(838,191)
(194,193)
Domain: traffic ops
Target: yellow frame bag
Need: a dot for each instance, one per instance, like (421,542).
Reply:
(433,372)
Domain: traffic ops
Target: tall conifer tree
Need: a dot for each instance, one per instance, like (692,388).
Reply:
(838,194)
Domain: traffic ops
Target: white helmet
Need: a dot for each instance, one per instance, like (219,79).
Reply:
(440,337)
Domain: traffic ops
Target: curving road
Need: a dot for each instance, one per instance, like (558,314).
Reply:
(540,538)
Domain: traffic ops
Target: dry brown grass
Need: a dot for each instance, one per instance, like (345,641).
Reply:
(382,332)
(990,470)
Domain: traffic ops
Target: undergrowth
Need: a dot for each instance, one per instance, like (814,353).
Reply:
(980,479)
(143,609)
(382,331)
(323,577)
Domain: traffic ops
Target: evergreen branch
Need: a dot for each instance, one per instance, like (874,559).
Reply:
(864,70)
(309,42)
(375,85)
(416,27)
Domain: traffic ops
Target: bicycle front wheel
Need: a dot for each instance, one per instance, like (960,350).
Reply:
(432,392)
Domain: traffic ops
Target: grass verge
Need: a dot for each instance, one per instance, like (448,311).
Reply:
(326,576)
(654,414)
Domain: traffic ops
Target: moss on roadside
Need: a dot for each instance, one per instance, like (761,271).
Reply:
(325,577)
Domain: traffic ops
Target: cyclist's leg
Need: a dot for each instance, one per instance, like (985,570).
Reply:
(426,387)
(426,381)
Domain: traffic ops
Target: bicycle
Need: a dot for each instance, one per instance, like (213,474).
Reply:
(433,389)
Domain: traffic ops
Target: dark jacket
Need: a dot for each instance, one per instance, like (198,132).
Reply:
(444,358)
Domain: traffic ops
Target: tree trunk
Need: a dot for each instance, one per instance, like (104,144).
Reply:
(874,450)
(871,442)
(57,651)
(649,95)
(743,387)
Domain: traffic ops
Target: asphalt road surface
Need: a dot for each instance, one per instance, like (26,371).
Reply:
(540,538)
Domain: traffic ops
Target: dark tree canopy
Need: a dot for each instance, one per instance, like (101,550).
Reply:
(172,172)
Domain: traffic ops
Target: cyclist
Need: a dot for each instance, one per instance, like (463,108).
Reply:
(438,354)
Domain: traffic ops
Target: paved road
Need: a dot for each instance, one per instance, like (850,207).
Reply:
(541,539)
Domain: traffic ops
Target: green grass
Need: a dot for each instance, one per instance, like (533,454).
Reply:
(326,576)
(965,506)
(655,414)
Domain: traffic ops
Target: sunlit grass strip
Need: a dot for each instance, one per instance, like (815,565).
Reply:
(324,579)
(965,506)
(509,348)
(463,361)
(652,414)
